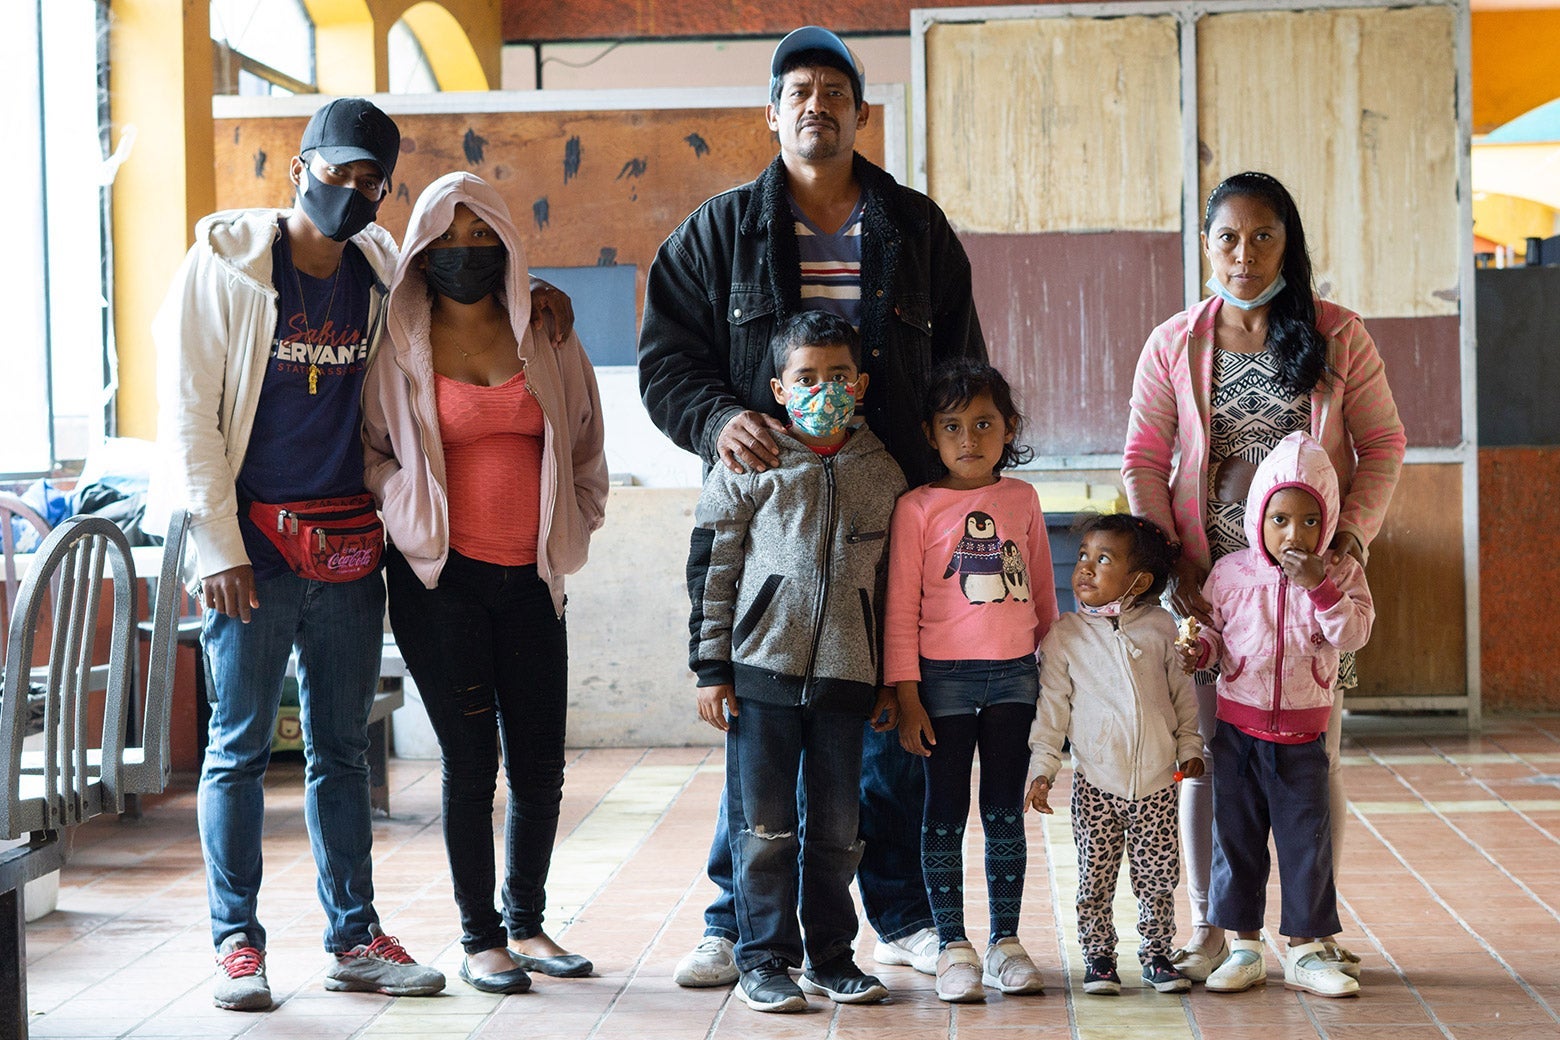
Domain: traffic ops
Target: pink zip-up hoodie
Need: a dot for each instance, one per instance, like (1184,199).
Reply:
(403,456)
(1278,643)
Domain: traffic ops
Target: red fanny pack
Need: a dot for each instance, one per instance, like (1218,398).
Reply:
(324,539)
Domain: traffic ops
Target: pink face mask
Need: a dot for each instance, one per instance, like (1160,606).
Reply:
(1113,608)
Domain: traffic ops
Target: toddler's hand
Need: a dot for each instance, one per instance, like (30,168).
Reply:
(1190,654)
(1039,791)
(1192,768)
(1304,569)
(714,704)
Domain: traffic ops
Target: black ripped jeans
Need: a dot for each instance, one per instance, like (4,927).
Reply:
(491,661)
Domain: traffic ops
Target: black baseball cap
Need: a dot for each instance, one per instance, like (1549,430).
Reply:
(352,129)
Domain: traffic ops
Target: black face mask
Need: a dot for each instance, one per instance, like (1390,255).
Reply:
(337,210)
(465,273)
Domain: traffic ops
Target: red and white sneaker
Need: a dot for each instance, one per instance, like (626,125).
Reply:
(382,966)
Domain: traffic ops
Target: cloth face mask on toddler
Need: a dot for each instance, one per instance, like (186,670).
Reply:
(822,410)
(1111,609)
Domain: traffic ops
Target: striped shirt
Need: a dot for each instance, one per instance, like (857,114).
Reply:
(831,264)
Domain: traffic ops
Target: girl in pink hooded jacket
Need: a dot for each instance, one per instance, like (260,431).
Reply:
(1280,614)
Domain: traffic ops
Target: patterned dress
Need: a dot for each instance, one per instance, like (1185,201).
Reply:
(1251,413)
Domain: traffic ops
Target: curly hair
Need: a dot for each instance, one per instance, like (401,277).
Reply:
(1151,550)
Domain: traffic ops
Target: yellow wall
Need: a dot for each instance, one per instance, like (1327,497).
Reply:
(1516,64)
(160,81)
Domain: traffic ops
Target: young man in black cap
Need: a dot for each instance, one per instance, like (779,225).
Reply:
(823,229)
(262,345)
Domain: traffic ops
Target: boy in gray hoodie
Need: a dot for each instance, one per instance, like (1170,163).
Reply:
(786,573)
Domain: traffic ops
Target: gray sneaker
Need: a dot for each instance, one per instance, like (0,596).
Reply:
(241,984)
(383,967)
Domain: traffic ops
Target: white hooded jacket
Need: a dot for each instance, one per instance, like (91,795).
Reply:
(213,333)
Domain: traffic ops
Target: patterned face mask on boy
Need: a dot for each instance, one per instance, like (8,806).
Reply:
(822,410)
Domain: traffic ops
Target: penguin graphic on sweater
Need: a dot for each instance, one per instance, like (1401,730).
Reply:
(1014,574)
(977,560)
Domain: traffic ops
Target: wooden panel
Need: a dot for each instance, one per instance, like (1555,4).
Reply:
(1055,124)
(1419,645)
(1519,563)
(1065,317)
(1358,119)
(585,188)
(527,21)
(1424,367)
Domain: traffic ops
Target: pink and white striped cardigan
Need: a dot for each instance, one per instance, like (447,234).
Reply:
(1353,416)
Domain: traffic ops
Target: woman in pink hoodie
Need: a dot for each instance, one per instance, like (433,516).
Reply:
(1279,615)
(1217,387)
(483,447)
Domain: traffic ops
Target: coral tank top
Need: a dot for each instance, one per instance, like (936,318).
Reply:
(493,468)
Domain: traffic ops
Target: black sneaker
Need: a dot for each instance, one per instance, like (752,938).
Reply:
(769,988)
(1163,976)
(842,982)
(1101,978)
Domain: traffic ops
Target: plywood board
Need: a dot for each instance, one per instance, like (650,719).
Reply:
(1418,647)
(1065,317)
(1355,111)
(1055,124)
(584,188)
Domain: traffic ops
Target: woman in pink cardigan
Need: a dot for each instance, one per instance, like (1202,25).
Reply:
(1221,384)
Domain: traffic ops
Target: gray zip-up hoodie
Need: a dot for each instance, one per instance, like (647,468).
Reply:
(786,573)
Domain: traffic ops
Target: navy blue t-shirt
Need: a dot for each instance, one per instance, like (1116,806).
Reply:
(307,444)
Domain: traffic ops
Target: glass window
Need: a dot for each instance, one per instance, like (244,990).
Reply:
(410,72)
(267,38)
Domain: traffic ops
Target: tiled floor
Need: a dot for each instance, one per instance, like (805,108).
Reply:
(1451,891)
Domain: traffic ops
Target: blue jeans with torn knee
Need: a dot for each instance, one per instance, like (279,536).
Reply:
(793,862)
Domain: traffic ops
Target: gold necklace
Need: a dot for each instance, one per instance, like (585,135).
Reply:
(308,329)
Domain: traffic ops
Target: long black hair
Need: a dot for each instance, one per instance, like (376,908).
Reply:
(957,383)
(1292,336)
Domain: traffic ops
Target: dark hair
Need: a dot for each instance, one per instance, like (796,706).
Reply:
(958,382)
(1292,336)
(812,329)
(811,59)
(1151,550)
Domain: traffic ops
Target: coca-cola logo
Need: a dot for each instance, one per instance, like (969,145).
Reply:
(351,559)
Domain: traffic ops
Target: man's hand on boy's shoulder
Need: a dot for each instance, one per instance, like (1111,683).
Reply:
(715,703)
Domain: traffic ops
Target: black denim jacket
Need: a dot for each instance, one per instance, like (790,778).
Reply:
(724,280)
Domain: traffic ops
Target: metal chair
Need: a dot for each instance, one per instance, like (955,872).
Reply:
(64,790)
(12,506)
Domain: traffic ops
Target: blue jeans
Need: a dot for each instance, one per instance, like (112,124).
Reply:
(795,846)
(337,628)
(893,790)
(491,660)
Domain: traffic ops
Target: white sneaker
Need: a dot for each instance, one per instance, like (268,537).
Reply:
(711,963)
(1245,967)
(1307,970)
(1008,968)
(918,950)
(1197,964)
(1342,958)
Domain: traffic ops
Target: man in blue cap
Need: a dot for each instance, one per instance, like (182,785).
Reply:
(262,345)
(821,228)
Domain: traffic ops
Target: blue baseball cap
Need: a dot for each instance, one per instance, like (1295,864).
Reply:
(815,37)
